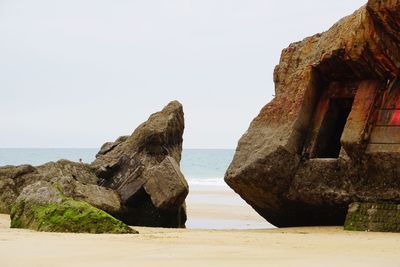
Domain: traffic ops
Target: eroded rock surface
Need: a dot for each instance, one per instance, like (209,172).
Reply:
(43,206)
(137,178)
(144,169)
(13,179)
(331,135)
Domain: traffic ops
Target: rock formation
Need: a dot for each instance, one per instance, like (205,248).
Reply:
(136,179)
(331,136)
(15,178)
(144,169)
(43,206)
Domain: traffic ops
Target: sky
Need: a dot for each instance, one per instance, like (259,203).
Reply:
(78,73)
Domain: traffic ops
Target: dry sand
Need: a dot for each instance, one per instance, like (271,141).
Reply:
(317,246)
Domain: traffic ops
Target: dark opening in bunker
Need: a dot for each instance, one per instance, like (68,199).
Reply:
(328,140)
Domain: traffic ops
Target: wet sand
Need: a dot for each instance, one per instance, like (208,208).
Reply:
(219,207)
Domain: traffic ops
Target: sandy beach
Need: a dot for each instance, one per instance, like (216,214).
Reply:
(219,207)
(316,246)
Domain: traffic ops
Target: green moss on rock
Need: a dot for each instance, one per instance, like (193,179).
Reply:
(67,216)
(375,217)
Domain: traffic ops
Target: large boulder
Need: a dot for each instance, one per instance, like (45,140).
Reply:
(144,169)
(43,206)
(330,136)
(137,178)
(13,179)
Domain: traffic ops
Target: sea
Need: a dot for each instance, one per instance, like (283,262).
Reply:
(200,166)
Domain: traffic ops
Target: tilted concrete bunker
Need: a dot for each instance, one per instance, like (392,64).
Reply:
(331,136)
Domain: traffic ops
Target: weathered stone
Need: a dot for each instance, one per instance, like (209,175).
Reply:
(166,184)
(107,147)
(65,168)
(43,206)
(159,136)
(13,179)
(98,196)
(374,217)
(8,195)
(136,178)
(329,137)
(144,169)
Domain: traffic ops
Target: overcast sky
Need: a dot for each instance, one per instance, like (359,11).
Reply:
(77,73)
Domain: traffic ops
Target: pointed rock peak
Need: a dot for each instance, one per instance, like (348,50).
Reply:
(144,169)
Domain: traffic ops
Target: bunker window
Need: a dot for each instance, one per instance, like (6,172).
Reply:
(328,140)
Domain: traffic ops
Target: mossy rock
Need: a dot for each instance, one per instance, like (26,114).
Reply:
(69,216)
(43,206)
(374,217)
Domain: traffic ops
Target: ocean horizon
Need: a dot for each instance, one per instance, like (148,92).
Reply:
(203,167)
